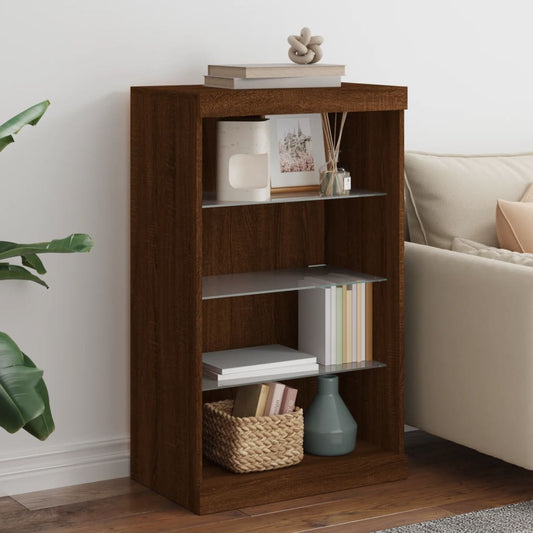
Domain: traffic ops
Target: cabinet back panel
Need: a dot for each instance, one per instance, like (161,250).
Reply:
(262,237)
(244,321)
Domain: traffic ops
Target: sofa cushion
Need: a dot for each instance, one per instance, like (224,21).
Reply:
(467,246)
(514,225)
(450,195)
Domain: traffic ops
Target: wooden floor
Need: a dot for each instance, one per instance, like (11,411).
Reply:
(444,479)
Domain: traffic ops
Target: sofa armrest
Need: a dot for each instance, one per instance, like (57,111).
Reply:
(469,351)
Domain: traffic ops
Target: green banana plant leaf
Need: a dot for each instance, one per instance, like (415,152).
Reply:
(43,425)
(24,398)
(77,242)
(8,271)
(31,116)
(33,261)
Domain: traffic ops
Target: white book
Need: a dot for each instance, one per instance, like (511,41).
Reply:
(256,358)
(272,83)
(331,358)
(272,373)
(333,351)
(338,325)
(314,323)
(275,70)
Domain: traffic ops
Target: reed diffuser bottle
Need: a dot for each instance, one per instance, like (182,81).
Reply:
(334,181)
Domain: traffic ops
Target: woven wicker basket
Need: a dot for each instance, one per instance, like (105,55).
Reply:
(252,444)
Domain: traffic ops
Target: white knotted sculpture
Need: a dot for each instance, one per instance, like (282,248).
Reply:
(305,48)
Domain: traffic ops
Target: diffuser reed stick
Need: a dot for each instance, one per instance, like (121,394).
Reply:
(333,181)
(333,139)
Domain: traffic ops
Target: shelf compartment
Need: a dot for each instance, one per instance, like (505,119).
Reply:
(368,463)
(209,199)
(290,279)
(211,384)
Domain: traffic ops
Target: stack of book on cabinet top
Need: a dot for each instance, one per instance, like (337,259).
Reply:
(274,76)
(238,366)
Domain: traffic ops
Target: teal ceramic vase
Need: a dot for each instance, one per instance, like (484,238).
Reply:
(329,427)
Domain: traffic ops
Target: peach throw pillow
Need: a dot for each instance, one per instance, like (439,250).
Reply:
(514,223)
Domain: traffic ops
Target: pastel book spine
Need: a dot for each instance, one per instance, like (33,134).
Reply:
(344,325)
(359,300)
(355,318)
(248,399)
(288,401)
(314,323)
(338,325)
(275,394)
(261,403)
(368,322)
(363,321)
(348,323)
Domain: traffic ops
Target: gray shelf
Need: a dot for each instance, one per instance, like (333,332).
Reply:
(209,199)
(293,279)
(211,384)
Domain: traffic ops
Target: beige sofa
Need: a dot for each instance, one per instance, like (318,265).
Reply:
(468,316)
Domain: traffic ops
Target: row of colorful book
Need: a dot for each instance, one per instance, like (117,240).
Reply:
(335,323)
(264,399)
(277,75)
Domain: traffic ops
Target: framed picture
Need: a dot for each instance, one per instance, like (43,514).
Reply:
(296,152)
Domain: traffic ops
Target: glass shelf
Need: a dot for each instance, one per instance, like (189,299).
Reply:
(291,279)
(211,384)
(209,199)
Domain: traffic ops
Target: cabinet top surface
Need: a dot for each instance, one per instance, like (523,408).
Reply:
(212,102)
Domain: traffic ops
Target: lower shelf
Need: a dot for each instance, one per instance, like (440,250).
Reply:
(211,384)
(366,465)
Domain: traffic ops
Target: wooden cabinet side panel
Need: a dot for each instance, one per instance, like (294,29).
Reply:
(166,295)
(368,235)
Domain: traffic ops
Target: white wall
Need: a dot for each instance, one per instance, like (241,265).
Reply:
(467,65)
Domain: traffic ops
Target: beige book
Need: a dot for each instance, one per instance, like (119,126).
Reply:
(347,317)
(359,310)
(368,321)
(345,324)
(275,70)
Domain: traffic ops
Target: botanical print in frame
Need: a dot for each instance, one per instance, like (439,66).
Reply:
(296,151)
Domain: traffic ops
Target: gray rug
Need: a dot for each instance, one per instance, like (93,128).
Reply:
(516,518)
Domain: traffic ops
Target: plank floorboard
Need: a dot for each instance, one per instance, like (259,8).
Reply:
(84,513)
(388,521)
(8,505)
(444,479)
(158,522)
(78,493)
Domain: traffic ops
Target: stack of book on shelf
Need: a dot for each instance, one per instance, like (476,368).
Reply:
(335,323)
(264,399)
(274,76)
(237,366)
